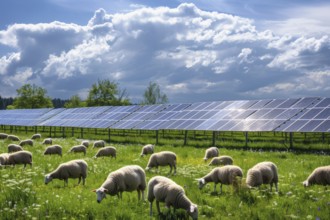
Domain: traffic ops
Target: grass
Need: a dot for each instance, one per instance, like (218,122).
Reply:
(23,194)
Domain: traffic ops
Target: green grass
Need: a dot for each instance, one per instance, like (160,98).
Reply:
(23,194)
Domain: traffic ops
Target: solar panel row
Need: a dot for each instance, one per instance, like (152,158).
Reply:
(310,114)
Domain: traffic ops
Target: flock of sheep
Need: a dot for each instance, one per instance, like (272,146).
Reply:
(162,189)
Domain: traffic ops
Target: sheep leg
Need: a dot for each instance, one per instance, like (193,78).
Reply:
(65,182)
(150,206)
(158,209)
(79,180)
(142,195)
(139,194)
(220,188)
(170,171)
(174,169)
(215,188)
(83,181)
(276,186)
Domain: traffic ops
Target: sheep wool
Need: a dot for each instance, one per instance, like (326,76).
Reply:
(47,141)
(36,136)
(14,148)
(78,149)
(126,179)
(320,176)
(162,158)
(85,143)
(54,149)
(263,173)
(71,169)
(222,160)
(20,157)
(147,149)
(227,175)
(3,136)
(106,152)
(26,142)
(13,138)
(4,159)
(166,190)
(99,143)
(211,152)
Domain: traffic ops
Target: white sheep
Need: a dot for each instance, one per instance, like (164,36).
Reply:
(26,142)
(320,176)
(47,141)
(126,179)
(3,136)
(99,143)
(14,148)
(36,136)
(263,173)
(211,152)
(147,149)
(78,149)
(85,143)
(162,158)
(106,152)
(166,190)
(4,159)
(72,169)
(54,149)
(222,160)
(227,175)
(13,138)
(20,157)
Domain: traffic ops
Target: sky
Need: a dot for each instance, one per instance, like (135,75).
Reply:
(195,51)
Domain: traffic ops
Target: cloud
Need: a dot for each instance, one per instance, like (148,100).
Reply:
(194,55)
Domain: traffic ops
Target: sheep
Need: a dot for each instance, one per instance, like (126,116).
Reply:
(211,152)
(147,149)
(222,160)
(125,179)
(320,176)
(262,173)
(99,143)
(3,136)
(14,148)
(78,148)
(165,190)
(13,138)
(54,149)
(36,136)
(162,158)
(228,175)
(47,141)
(106,152)
(20,157)
(26,142)
(85,143)
(71,169)
(4,159)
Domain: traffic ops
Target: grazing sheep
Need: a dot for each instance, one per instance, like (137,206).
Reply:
(320,176)
(78,148)
(36,136)
(106,152)
(165,190)
(14,148)
(72,169)
(4,159)
(125,179)
(147,149)
(85,143)
(47,141)
(3,136)
(162,158)
(20,157)
(13,138)
(228,175)
(211,152)
(26,142)
(262,173)
(222,160)
(54,149)
(99,143)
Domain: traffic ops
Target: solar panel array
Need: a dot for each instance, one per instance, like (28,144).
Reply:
(310,114)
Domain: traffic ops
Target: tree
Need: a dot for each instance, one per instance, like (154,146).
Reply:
(152,95)
(106,92)
(74,102)
(32,96)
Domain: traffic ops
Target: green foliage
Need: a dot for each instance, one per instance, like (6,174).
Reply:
(32,96)
(106,92)
(75,102)
(153,95)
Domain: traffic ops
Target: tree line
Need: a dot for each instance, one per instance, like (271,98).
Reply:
(102,93)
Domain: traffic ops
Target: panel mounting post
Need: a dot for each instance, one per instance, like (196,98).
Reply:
(291,139)
(213,138)
(185,137)
(157,131)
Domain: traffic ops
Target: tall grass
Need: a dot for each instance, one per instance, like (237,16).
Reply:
(23,194)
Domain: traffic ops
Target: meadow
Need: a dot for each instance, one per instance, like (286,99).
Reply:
(23,194)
